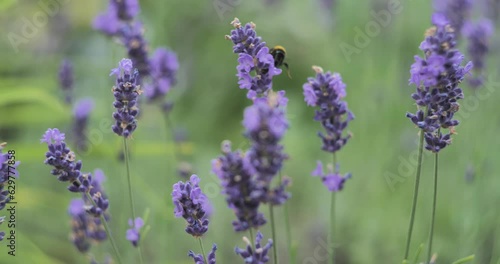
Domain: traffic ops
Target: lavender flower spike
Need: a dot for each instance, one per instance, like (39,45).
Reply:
(198,258)
(85,228)
(255,254)
(163,66)
(241,191)
(255,64)
(478,35)
(8,168)
(134,233)
(126,92)
(81,113)
(265,123)
(437,77)
(66,79)
(191,204)
(456,11)
(118,14)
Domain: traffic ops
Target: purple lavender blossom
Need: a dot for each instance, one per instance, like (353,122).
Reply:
(255,254)
(255,64)
(66,79)
(126,92)
(436,77)
(118,14)
(2,234)
(239,187)
(137,47)
(134,233)
(8,168)
(198,258)
(85,228)
(164,66)
(456,11)
(478,35)
(265,123)
(81,112)
(191,204)
(333,180)
(326,91)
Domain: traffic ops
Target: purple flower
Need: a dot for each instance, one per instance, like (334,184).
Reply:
(478,35)
(326,92)
(437,76)
(118,14)
(134,233)
(8,168)
(66,79)
(255,254)
(164,66)
(137,47)
(265,123)
(198,258)
(332,179)
(85,228)
(81,112)
(239,187)
(456,11)
(126,92)
(191,204)
(255,64)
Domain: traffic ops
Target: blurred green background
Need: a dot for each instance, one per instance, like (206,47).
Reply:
(372,215)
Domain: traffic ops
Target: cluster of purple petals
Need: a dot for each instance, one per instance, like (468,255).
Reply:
(81,113)
(456,11)
(62,159)
(255,254)
(8,168)
(437,77)
(241,191)
(198,258)
(85,228)
(66,79)
(255,65)
(326,92)
(265,124)
(118,14)
(163,66)
(137,47)
(478,36)
(191,204)
(332,179)
(134,233)
(126,92)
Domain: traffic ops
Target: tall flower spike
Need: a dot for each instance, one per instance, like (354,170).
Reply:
(456,11)
(81,113)
(198,258)
(164,66)
(436,77)
(126,92)
(478,35)
(265,123)
(66,79)
(191,204)
(255,65)
(241,191)
(255,254)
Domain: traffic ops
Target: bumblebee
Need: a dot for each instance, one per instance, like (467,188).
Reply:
(279,53)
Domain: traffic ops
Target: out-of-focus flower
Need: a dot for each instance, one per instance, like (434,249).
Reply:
(85,228)
(81,112)
(66,79)
(478,35)
(456,11)
(8,168)
(333,180)
(198,258)
(118,14)
(163,66)
(134,233)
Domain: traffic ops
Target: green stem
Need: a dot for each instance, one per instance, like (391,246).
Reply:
(131,194)
(250,230)
(202,250)
(291,255)
(331,250)
(108,231)
(273,231)
(429,249)
(415,193)
(171,129)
